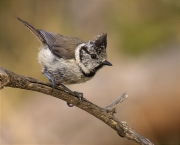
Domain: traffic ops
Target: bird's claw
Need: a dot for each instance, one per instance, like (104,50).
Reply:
(79,96)
(76,94)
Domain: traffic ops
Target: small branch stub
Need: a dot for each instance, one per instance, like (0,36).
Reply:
(111,108)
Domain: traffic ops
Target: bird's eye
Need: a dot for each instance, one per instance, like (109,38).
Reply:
(93,56)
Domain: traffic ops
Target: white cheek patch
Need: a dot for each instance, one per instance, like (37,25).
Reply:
(77,57)
(77,51)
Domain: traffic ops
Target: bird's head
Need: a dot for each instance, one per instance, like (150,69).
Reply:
(91,56)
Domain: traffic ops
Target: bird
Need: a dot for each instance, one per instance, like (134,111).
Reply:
(67,60)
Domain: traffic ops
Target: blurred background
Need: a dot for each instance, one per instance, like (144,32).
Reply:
(143,46)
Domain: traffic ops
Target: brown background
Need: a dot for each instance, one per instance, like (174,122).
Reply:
(143,46)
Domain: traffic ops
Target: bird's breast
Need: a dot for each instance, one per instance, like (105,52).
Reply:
(65,71)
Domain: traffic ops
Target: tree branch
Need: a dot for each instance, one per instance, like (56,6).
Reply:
(10,79)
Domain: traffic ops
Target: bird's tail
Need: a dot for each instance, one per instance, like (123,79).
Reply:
(33,30)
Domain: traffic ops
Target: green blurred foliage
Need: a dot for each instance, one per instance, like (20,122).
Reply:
(144,25)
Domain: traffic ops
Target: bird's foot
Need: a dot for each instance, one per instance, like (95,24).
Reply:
(74,93)
(79,96)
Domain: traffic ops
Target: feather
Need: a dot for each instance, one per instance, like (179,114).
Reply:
(61,46)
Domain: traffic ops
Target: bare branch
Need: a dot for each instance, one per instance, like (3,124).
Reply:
(10,79)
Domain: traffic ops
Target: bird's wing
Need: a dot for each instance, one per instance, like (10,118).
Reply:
(61,46)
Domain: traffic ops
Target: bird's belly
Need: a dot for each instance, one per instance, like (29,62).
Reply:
(63,71)
(70,74)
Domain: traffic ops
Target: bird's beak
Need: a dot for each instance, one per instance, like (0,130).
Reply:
(106,63)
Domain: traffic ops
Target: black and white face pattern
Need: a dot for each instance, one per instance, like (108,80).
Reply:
(91,55)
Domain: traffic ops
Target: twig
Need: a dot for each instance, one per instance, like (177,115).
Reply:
(111,108)
(10,79)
